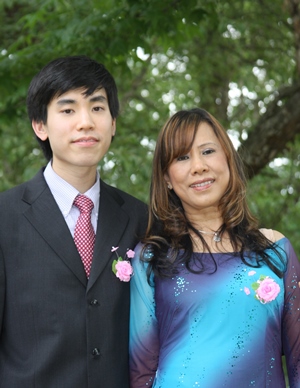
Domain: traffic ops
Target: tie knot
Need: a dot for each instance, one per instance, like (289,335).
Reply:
(84,204)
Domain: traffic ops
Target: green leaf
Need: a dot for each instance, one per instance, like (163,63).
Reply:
(165,55)
(255,286)
(113,267)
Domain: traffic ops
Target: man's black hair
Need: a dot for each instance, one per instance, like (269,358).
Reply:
(62,75)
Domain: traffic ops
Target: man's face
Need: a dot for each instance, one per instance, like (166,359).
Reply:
(79,129)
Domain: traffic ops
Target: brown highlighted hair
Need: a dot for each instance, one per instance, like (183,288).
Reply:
(168,230)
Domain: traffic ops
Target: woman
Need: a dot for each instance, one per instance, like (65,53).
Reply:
(215,300)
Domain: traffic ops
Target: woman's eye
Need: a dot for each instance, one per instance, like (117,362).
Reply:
(208,151)
(184,157)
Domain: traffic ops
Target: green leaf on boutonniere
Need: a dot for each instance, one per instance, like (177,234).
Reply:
(113,267)
(114,263)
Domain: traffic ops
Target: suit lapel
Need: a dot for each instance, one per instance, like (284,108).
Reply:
(45,216)
(112,222)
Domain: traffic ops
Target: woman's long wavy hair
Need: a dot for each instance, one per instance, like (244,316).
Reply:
(168,226)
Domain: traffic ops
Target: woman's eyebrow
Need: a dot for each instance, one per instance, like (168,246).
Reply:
(207,144)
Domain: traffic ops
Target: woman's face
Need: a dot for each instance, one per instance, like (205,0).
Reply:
(201,177)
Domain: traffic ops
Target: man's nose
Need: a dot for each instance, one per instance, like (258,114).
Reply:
(85,120)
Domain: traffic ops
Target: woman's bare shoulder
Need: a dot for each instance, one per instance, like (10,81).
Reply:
(272,235)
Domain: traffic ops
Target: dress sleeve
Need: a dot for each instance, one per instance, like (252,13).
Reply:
(291,316)
(144,342)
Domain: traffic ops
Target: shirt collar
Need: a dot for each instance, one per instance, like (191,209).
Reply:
(64,193)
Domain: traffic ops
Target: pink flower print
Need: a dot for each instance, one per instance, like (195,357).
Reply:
(130,254)
(114,249)
(251,273)
(246,290)
(268,290)
(124,270)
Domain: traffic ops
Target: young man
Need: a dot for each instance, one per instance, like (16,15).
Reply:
(62,326)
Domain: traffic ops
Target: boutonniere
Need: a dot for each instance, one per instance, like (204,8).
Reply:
(265,288)
(122,267)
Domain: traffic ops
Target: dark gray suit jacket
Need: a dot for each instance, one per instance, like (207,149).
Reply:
(56,329)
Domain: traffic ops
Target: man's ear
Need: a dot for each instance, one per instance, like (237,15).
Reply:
(39,129)
(114,127)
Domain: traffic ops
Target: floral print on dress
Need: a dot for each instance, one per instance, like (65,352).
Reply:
(265,288)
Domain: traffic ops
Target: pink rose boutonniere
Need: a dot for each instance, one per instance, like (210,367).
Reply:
(122,268)
(266,289)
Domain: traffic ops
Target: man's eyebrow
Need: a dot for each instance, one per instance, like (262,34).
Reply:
(64,101)
(98,99)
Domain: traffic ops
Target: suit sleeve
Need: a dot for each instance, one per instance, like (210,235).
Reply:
(291,317)
(2,290)
(144,341)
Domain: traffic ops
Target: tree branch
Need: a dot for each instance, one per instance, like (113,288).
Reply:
(278,126)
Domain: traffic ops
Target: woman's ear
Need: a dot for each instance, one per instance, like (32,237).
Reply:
(40,130)
(167,179)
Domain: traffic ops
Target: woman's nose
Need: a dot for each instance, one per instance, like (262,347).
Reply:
(198,165)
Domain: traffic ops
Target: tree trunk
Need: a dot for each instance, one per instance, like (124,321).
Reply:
(278,126)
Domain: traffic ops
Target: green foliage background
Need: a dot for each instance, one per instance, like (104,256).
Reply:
(229,57)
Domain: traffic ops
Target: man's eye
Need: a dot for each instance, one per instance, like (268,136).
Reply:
(98,108)
(67,111)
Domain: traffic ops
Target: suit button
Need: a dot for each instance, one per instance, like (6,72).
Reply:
(94,302)
(96,352)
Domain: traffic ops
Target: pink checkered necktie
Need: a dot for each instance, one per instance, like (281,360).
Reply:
(84,235)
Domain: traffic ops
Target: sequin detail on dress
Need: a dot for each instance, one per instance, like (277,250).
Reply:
(205,331)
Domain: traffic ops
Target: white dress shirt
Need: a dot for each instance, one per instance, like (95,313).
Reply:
(64,195)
